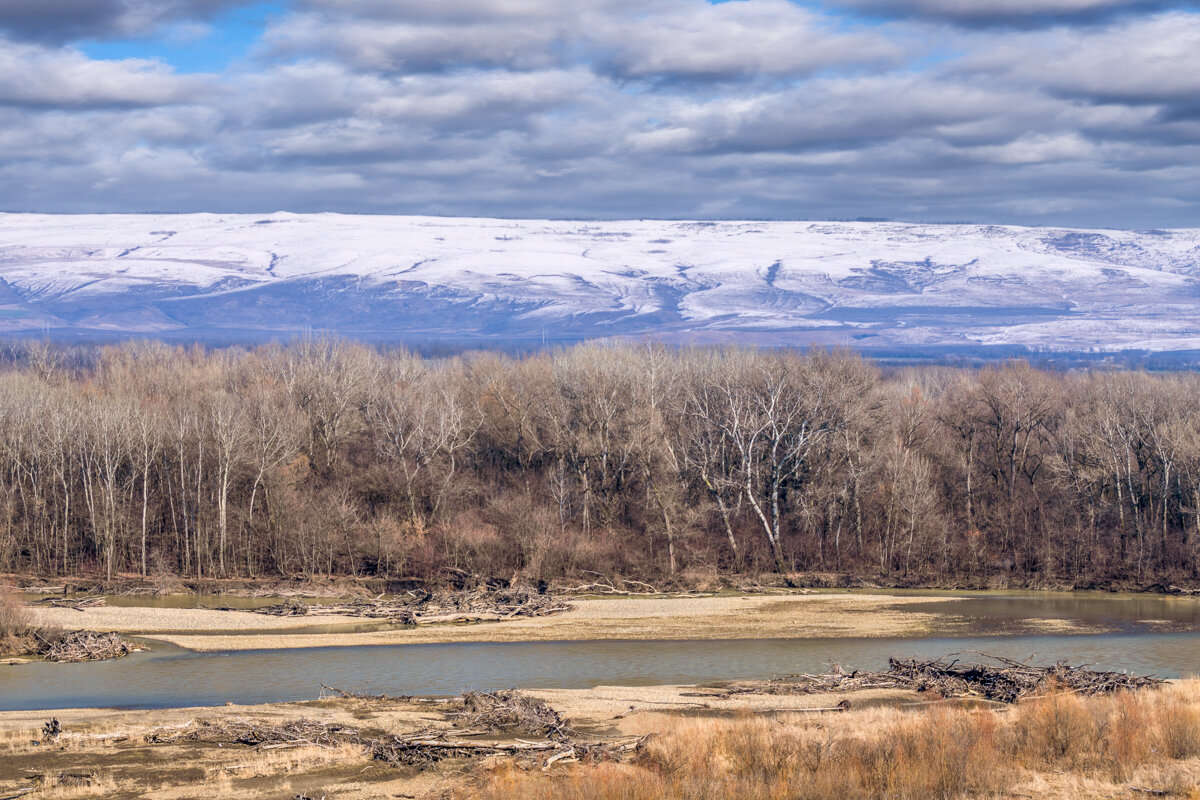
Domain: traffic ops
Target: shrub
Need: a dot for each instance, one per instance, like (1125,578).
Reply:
(1179,727)
(1058,729)
(15,618)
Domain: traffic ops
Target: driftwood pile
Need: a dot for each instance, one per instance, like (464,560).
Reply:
(297,733)
(1004,681)
(426,608)
(509,712)
(74,603)
(1012,680)
(426,748)
(505,716)
(76,646)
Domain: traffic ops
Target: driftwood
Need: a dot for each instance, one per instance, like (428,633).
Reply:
(475,714)
(510,712)
(1005,681)
(76,604)
(75,646)
(423,749)
(1012,680)
(19,793)
(427,608)
(379,698)
(62,778)
(297,733)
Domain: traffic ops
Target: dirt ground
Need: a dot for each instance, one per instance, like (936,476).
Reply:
(667,618)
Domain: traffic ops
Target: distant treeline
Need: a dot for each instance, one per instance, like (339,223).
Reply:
(327,458)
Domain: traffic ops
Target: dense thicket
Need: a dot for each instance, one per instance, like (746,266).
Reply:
(326,457)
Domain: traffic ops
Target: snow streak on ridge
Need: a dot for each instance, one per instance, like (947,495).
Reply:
(868,285)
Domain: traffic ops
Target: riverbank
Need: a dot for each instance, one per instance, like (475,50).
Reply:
(346,587)
(724,747)
(759,616)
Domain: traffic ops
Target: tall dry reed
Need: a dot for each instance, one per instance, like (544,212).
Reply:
(932,754)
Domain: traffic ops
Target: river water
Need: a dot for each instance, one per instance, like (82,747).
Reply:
(1152,635)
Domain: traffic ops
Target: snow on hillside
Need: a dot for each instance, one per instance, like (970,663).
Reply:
(865,284)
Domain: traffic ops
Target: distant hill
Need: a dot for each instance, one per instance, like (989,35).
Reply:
(873,285)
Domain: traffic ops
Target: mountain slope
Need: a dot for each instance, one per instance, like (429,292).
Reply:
(867,284)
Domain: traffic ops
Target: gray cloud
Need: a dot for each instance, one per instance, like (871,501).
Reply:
(671,39)
(1013,13)
(678,108)
(57,21)
(1153,60)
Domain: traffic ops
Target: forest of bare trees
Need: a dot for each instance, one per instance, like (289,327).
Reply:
(325,457)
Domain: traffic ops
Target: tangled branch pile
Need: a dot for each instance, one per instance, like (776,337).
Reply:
(1007,682)
(473,715)
(74,603)
(426,608)
(296,733)
(75,646)
(1012,680)
(511,712)
(429,747)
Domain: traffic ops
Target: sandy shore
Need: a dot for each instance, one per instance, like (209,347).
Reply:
(742,617)
(160,620)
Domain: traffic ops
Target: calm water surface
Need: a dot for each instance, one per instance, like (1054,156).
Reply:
(1154,635)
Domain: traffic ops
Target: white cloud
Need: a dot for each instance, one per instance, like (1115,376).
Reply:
(33,75)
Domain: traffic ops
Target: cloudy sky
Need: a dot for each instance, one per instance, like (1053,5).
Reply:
(1063,112)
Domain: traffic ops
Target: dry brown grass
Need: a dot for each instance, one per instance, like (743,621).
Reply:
(257,764)
(1066,745)
(15,617)
(1113,736)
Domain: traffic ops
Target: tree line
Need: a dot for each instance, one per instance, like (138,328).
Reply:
(324,457)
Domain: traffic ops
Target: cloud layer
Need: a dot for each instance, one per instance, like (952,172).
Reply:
(1039,111)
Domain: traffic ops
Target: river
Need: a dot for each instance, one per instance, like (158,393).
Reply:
(1145,634)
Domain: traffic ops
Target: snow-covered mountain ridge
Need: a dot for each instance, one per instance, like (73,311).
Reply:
(864,284)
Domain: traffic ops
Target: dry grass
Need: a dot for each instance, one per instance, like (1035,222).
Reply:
(68,788)
(257,764)
(15,618)
(1066,745)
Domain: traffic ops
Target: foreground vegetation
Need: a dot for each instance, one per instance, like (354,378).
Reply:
(1058,746)
(327,458)
(897,745)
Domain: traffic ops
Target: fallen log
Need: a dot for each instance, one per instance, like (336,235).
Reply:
(422,750)
(75,604)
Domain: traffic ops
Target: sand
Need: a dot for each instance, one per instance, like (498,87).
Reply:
(738,617)
(145,620)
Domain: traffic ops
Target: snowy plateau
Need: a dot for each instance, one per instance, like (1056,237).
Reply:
(868,285)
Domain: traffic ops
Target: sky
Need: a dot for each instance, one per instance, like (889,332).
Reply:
(1040,112)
